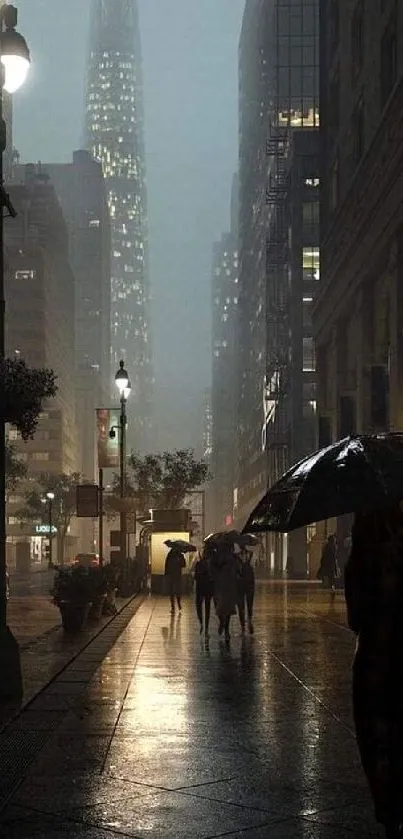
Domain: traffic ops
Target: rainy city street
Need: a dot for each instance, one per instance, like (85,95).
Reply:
(164,737)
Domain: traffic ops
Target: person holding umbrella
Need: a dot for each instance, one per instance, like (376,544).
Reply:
(374,597)
(204,591)
(174,565)
(224,567)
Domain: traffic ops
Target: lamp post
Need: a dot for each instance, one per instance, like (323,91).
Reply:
(14,65)
(49,498)
(124,388)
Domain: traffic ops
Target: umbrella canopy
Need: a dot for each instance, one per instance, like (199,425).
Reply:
(357,474)
(226,537)
(181,545)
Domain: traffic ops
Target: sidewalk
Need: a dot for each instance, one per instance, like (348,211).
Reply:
(170,739)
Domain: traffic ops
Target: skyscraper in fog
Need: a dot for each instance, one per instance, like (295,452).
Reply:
(114,135)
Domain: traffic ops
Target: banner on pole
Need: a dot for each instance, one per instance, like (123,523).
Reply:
(87,501)
(108,448)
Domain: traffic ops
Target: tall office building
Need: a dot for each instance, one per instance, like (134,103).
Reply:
(80,188)
(39,287)
(115,136)
(223,384)
(279,99)
(359,310)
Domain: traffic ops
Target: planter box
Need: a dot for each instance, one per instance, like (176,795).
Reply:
(74,615)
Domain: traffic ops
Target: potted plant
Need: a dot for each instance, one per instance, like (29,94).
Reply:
(72,594)
(99,587)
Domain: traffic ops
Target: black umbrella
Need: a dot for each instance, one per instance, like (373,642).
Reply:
(357,474)
(225,537)
(181,544)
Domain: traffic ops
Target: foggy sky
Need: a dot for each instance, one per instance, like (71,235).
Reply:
(190,93)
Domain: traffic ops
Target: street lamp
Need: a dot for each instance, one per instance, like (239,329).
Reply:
(49,498)
(14,63)
(124,388)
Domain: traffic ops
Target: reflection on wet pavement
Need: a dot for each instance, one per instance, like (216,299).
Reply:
(170,739)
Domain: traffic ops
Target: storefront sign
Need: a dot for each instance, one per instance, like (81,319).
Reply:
(43,529)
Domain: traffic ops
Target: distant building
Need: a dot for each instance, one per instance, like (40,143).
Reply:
(358,314)
(80,187)
(279,99)
(224,384)
(114,128)
(81,190)
(40,327)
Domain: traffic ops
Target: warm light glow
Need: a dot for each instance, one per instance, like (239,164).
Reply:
(16,70)
(50,495)
(122,379)
(159,550)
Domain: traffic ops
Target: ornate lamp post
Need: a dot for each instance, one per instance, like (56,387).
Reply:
(124,388)
(14,65)
(49,498)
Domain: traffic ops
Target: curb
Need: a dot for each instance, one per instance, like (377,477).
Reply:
(27,702)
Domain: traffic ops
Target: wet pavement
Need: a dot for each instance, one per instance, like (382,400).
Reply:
(170,738)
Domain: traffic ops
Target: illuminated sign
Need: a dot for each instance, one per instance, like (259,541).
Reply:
(43,529)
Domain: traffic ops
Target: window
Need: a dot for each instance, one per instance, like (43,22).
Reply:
(358,131)
(307,312)
(308,355)
(388,60)
(334,105)
(310,215)
(310,264)
(40,456)
(13,434)
(357,40)
(334,184)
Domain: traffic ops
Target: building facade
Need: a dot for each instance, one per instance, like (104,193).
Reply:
(358,313)
(81,190)
(279,99)
(39,287)
(223,390)
(115,136)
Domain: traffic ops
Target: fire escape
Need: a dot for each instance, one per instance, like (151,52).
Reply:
(277,326)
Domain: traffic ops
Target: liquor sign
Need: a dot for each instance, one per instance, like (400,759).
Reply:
(108,447)
(87,501)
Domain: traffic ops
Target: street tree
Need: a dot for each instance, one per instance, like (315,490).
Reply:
(63,505)
(24,389)
(162,480)
(16,469)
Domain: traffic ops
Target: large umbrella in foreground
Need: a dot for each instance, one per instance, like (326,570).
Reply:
(357,474)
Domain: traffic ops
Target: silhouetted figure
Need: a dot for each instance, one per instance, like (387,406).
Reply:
(246,589)
(204,592)
(328,571)
(374,595)
(174,564)
(224,567)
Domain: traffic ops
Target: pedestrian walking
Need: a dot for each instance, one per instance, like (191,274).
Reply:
(204,592)
(374,596)
(174,564)
(246,589)
(224,567)
(328,571)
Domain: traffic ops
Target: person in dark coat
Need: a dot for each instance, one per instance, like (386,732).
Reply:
(174,564)
(246,589)
(328,570)
(204,592)
(374,596)
(224,566)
